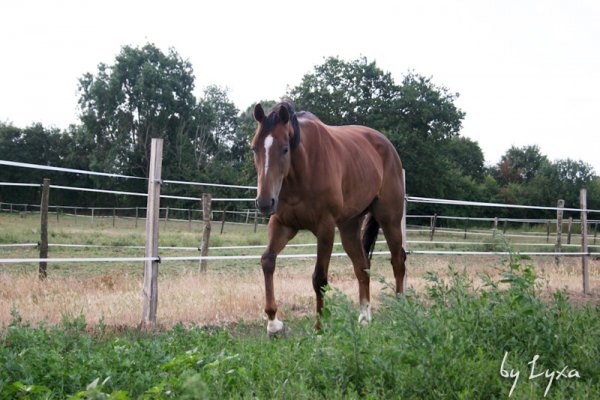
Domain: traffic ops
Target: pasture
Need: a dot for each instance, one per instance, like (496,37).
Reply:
(75,333)
(231,290)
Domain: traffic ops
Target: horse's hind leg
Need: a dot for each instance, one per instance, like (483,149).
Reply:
(393,235)
(325,237)
(390,220)
(351,240)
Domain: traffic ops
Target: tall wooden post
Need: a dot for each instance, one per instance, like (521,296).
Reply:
(152,224)
(559,224)
(495,227)
(433,225)
(223,221)
(403,224)
(255,220)
(585,268)
(206,214)
(42,270)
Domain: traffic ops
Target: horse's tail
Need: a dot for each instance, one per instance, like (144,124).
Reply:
(370,232)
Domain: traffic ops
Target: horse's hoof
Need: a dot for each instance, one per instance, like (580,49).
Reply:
(279,334)
(275,328)
(364,318)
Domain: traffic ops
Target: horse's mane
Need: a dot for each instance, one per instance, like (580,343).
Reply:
(273,119)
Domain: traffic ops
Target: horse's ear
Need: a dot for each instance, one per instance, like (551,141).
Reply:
(259,113)
(284,114)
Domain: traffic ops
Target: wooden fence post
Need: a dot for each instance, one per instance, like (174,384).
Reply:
(92,216)
(42,270)
(495,227)
(255,220)
(569,225)
(466,226)
(223,221)
(433,224)
(585,268)
(559,223)
(190,219)
(137,212)
(152,224)
(403,224)
(206,217)
(114,216)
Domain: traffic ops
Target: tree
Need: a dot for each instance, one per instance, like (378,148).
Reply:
(344,93)
(424,122)
(467,156)
(520,165)
(426,110)
(417,116)
(36,145)
(145,94)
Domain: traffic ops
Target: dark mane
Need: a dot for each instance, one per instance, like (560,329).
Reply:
(307,115)
(273,119)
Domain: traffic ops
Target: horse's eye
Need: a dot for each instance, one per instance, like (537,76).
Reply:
(285,150)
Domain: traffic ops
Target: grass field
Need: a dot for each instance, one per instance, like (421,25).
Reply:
(74,335)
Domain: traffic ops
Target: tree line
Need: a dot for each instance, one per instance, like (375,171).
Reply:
(147,93)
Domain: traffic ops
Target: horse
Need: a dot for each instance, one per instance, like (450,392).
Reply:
(316,177)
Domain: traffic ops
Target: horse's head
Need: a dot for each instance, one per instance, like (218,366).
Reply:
(277,134)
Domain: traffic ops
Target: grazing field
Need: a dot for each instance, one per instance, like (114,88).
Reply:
(75,336)
(231,290)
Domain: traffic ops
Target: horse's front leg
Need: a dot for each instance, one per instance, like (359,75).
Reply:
(279,236)
(325,237)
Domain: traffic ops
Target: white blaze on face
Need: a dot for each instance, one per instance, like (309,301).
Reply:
(268,144)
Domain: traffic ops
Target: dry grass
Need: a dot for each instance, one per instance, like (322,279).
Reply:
(224,295)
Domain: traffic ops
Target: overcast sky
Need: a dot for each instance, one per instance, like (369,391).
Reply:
(528,72)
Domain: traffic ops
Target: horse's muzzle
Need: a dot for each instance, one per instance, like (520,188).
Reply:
(267,207)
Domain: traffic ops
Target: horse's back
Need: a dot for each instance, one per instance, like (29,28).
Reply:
(369,165)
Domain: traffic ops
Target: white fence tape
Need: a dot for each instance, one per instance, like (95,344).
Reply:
(281,256)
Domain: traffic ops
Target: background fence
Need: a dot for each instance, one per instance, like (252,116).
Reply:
(473,231)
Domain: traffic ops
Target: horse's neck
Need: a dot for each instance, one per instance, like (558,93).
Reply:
(307,165)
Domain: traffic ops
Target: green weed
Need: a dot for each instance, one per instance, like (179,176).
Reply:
(447,342)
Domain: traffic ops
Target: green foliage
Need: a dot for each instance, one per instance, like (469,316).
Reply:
(447,343)
(146,93)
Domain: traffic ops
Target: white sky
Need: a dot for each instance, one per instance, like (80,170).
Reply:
(528,72)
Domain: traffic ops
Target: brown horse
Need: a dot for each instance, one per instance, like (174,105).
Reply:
(316,177)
